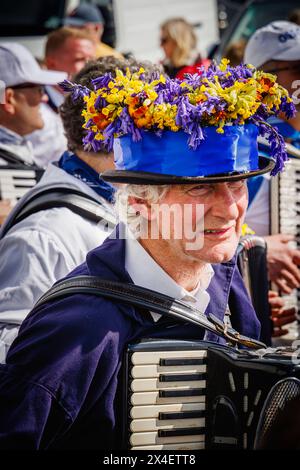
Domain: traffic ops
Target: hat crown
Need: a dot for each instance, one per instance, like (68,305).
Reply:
(85,13)
(218,98)
(279,40)
(16,64)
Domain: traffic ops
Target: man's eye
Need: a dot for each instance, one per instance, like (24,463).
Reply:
(237,184)
(199,191)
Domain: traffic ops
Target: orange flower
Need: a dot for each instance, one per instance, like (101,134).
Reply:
(143,121)
(101,121)
(266,83)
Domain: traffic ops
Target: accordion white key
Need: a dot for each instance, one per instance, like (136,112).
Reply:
(189,395)
(15,182)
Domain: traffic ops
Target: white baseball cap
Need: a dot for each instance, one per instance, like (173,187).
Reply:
(279,40)
(17,66)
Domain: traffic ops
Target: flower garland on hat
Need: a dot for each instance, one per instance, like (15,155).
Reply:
(221,96)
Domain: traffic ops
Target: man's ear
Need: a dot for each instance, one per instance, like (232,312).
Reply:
(99,28)
(9,101)
(50,63)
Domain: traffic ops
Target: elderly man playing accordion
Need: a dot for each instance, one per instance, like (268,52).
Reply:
(187,146)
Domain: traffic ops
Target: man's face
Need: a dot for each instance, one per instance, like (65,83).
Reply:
(27,102)
(72,56)
(216,236)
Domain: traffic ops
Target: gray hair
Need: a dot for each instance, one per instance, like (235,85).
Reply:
(149,194)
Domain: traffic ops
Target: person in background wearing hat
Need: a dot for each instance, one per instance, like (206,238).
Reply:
(67,50)
(59,388)
(48,244)
(89,18)
(20,106)
(275,48)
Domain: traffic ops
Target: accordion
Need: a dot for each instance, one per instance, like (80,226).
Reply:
(189,395)
(285,215)
(16,181)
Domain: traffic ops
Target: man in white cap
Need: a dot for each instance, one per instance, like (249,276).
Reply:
(22,93)
(20,110)
(275,48)
(66,50)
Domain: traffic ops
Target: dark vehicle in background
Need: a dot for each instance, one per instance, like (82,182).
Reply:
(32,20)
(248,18)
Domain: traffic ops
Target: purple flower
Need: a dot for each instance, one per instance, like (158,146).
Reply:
(103,81)
(77,91)
(288,108)
(100,102)
(277,145)
(196,135)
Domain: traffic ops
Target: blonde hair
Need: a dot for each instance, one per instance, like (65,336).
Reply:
(57,38)
(148,194)
(184,37)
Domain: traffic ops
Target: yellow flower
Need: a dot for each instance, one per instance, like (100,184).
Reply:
(223,64)
(246,230)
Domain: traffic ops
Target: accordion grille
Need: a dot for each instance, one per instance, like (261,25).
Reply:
(280,395)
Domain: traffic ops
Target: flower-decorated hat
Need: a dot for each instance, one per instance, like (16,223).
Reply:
(200,130)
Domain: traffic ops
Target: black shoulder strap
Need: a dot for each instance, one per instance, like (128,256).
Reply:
(77,201)
(12,159)
(141,297)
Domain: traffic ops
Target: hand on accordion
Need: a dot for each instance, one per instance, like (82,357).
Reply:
(283,261)
(279,314)
(5,208)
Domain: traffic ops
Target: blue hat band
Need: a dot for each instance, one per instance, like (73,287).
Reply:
(234,151)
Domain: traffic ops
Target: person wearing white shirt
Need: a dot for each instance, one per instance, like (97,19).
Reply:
(20,109)
(67,50)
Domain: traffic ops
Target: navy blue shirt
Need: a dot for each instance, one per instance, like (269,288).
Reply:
(58,388)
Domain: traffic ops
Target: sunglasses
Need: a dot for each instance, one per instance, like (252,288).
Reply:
(283,69)
(22,86)
(163,41)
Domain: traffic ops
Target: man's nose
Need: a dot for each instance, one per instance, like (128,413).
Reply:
(225,204)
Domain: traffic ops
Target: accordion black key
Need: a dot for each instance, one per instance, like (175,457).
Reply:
(188,395)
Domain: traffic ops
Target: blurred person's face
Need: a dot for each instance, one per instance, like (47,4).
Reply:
(72,56)
(167,44)
(288,73)
(23,107)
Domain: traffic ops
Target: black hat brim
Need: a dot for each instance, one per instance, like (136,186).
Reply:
(142,177)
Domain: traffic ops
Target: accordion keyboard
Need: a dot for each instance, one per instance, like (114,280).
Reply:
(285,211)
(14,183)
(167,400)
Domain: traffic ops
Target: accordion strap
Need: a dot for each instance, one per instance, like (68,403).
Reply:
(141,297)
(77,201)
(12,159)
